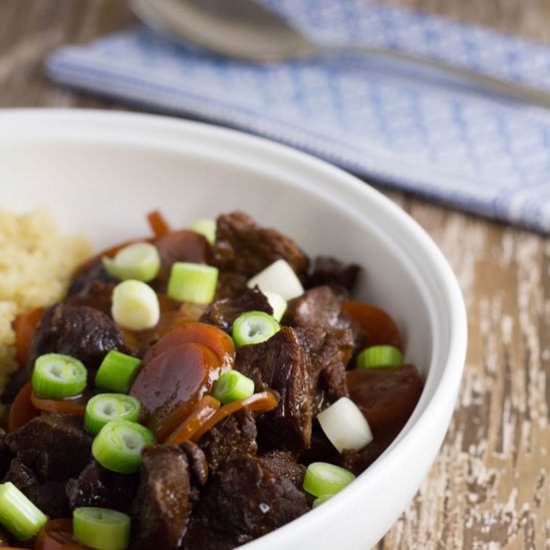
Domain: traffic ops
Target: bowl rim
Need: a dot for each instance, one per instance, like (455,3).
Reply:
(27,124)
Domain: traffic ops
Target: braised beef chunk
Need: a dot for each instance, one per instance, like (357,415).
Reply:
(318,307)
(181,246)
(329,353)
(233,436)
(282,364)
(230,285)
(54,446)
(283,464)
(247,498)
(244,247)
(96,294)
(358,461)
(5,454)
(20,474)
(223,313)
(197,462)
(201,537)
(96,486)
(162,504)
(80,331)
(332,272)
(90,272)
(327,333)
(49,496)
(77,330)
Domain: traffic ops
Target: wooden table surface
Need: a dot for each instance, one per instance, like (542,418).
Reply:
(490,486)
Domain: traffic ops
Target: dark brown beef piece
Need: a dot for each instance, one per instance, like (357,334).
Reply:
(317,307)
(244,247)
(5,454)
(162,504)
(201,537)
(48,496)
(80,331)
(54,446)
(387,397)
(197,462)
(20,475)
(223,313)
(282,364)
(90,272)
(230,285)
(233,436)
(327,334)
(247,498)
(96,294)
(328,353)
(283,464)
(96,486)
(332,272)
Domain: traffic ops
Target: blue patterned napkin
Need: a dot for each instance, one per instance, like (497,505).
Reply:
(442,140)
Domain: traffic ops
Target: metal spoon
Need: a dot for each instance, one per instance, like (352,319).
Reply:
(247,30)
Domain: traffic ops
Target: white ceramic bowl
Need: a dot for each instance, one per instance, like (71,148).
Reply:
(101,172)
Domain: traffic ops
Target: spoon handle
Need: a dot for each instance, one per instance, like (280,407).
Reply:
(506,89)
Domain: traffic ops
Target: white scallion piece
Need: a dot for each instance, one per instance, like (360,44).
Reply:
(345,426)
(277,303)
(140,261)
(135,305)
(279,278)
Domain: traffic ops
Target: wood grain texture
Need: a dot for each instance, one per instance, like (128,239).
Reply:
(490,486)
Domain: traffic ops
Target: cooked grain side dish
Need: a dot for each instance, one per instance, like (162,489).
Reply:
(193,389)
(36,264)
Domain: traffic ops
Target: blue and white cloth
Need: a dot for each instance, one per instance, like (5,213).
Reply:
(442,140)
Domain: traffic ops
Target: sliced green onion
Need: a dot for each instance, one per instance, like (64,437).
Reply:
(345,425)
(191,282)
(277,303)
(379,356)
(57,376)
(135,305)
(118,446)
(106,407)
(207,228)
(117,372)
(321,500)
(254,327)
(18,514)
(140,261)
(323,479)
(233,386)
(280,278)
(101,528)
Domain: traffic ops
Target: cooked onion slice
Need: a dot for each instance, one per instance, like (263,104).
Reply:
(345,425)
